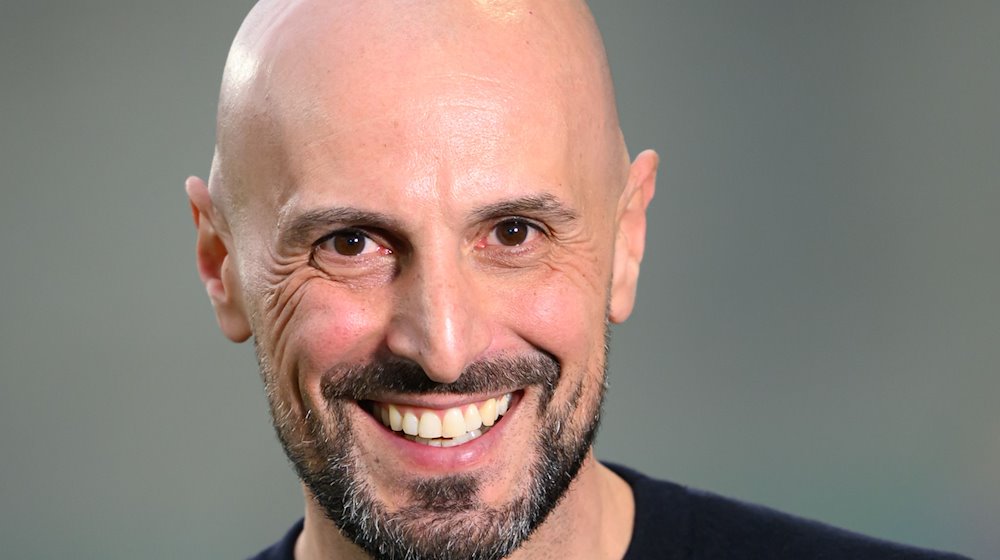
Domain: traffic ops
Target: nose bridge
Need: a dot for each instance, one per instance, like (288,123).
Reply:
(437,322)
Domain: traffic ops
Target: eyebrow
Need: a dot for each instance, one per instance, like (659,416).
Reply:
(304,228)
(541,205)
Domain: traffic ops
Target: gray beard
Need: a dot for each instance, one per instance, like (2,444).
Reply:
(445,520)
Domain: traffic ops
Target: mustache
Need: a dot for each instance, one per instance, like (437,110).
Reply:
(400,376)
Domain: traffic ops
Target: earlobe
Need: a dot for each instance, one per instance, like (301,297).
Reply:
(630,238)
(216,266)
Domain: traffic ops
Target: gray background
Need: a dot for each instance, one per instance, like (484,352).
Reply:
(818,328)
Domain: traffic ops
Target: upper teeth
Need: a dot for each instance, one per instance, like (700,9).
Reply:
(459,423)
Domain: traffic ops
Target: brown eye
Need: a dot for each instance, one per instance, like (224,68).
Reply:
(350,243)
(512,232)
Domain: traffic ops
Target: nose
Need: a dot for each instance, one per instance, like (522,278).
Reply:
(437,321)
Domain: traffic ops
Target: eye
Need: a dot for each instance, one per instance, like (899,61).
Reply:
(349,243)
(512,232)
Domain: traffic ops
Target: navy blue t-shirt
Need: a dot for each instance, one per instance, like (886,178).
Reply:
(673,522)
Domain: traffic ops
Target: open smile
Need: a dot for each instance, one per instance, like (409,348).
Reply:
(442,427)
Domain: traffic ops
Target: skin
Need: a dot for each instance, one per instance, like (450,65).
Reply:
(442,118)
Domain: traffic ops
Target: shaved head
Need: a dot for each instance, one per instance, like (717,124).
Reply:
(327,65)
(424,210)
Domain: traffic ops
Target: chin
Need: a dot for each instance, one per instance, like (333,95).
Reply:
(480,496)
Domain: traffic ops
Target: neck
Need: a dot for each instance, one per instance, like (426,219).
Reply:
(593,520)
(595,515)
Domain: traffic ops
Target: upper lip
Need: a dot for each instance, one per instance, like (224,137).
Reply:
(443,401)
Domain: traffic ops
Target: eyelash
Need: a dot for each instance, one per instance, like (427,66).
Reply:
(383,248)
(513,221)
(484,244)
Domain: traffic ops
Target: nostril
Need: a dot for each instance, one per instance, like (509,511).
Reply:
(436,322)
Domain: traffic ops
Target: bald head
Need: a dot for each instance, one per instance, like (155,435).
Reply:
(441,184)
(305,73)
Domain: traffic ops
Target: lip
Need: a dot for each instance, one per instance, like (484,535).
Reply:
(436,461)
(439,402)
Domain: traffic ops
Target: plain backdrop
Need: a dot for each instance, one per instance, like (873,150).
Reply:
(818,326)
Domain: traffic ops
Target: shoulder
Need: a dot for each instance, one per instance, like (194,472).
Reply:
(696,524)
(283,549)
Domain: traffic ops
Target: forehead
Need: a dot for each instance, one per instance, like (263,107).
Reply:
(441,138)
(440,115)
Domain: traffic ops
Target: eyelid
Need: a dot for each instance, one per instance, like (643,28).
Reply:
(335,232)
(378,241)
(534,224)
(373,236)
(538,228)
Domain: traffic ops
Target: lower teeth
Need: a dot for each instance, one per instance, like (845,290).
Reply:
(448,442)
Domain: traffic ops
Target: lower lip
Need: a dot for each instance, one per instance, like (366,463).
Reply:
(441,460)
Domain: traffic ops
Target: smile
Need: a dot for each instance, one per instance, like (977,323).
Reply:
(442,427)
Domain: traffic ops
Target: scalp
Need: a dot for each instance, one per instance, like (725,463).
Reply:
(293,64)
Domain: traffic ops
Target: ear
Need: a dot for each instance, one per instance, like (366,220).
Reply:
(630,239)
(216,265)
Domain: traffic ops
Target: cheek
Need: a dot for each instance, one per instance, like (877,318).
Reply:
(563,316)
(327,327)
(331,329)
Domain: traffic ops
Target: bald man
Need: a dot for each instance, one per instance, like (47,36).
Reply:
(425,216)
